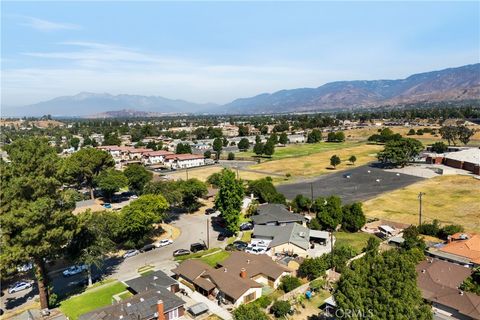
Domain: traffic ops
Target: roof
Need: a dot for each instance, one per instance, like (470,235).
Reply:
(471,155)
(198,308)
(157,153)
(253,264)
(449,256)
(274,212)
(139,307)
(439,281)
(469,248)
(293,233)
(152,281)
(186,156)
(225,279)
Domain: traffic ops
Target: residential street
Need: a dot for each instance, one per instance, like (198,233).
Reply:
(193,229)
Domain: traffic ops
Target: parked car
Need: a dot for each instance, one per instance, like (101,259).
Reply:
(107,205)
(164,242)
(256,250)
(130,253)
(240,245)
(19,286)
(134,196)
(222,236)
(246,226)
(25,267)
(195,247)
(148,247)
(181,252)
(209,211)
(73,270)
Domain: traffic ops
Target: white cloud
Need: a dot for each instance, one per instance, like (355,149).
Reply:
(45,25)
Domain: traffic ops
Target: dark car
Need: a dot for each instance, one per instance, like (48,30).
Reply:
(210,211)
(195,247)
(219,222)
(230,247)
(180,252)
(246,226)
(240,245)
(222,236)
(148,247)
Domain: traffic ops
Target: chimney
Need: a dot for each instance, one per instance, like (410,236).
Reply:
(160,311)
(248,261)
(243,273)
(461,293)
(423,270)
(224,269)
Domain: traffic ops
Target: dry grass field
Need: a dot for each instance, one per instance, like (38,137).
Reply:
(450,199)
(319,163)
(203,173)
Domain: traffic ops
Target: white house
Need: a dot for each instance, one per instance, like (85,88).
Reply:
(180,161)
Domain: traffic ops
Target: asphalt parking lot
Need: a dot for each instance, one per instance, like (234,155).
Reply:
(365,182)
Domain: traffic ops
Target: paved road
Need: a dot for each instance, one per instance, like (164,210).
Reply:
(361,185)
(193,229)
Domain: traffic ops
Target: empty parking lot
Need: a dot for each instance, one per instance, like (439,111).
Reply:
(364,182)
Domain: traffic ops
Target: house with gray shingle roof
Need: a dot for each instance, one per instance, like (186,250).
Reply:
(275,214)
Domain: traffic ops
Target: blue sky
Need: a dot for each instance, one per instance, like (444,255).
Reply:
(218,51)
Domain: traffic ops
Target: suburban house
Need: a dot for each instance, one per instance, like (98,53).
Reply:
(180,161)
(439,282)
(292,239)
(239,279)
(155,157)
(464,247)
(274,214)
(154,299)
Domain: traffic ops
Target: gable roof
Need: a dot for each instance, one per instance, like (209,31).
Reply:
(291,233)
(439,281)
(142,306)
(152,281)
(253,264)
(469,248)
(274,212)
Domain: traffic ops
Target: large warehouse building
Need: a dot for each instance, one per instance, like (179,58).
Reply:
(466,159)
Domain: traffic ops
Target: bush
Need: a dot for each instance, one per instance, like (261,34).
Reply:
(207,154)
(249,311)
(288,283)
(280,308)
(430,229)
(317,285)
(411,132)
(231,156)
(448,230)
(263,302)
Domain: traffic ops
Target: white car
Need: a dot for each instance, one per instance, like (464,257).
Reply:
(73,270)
(163,243)
(19,286)
(256,250)
(130,253)
(25,267)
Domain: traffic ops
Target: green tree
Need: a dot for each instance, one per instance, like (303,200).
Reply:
(217,147)
(155,204)
(137,177)
(353,218)
(448,230)
(373,244)
(207,154)
(449,133)
(335,161)
(301,203)
(382,287)
(75,142)
(313,268)
(340,136)
(411,132)
(464,134)
(110,181)
(92,240)
(288,283)
(280,308)
(400,152)
(231,156)
(314,136)
(352,159)
(191,190)
(183,148)
(214,179)
(329,211)
(243,131)
(243,144)
(283,139)
(412,238)
(136,225)
(170,190)
(111,139)
(84,165)
(439,147)
(269,148)
(37,223)
(229,199)
(265,191)
(249,311)
(258,139)
(258,148)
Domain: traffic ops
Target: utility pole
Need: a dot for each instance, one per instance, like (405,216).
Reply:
(186,170)
(311,191)
(331,249)
(208,232)
(420,195)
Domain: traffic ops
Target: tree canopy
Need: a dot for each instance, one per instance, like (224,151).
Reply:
(265,191)
(110,181)
(400,152)
(229,199)
(137,177)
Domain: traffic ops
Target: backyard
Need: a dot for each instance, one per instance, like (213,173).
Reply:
(450,199)
(357,240)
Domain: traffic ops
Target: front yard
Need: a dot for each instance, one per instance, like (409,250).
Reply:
(91,299)
(210,256)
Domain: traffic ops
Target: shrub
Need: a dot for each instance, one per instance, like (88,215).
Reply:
(288,283)
(249,311)
(280,308)
(263,302)
(231,156)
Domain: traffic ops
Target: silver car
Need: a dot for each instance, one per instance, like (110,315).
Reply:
(19,286)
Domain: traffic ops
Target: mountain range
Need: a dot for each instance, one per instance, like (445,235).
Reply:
(453,84)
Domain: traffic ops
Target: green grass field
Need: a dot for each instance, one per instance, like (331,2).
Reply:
(357,240)
(210,256)
(91,299)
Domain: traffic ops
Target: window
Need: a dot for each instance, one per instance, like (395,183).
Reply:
(173,314)
(249,297)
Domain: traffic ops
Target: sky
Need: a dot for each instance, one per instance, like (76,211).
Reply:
(220,51)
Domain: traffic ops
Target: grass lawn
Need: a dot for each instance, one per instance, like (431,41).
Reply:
(91,299)
(450,199)
(213,259)
(357,240)
(246,236)
(203,173)
(125,295)
(319,163)
(197,254)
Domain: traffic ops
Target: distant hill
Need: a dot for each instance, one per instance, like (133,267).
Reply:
(460,83)
(453,84)
(86,104)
